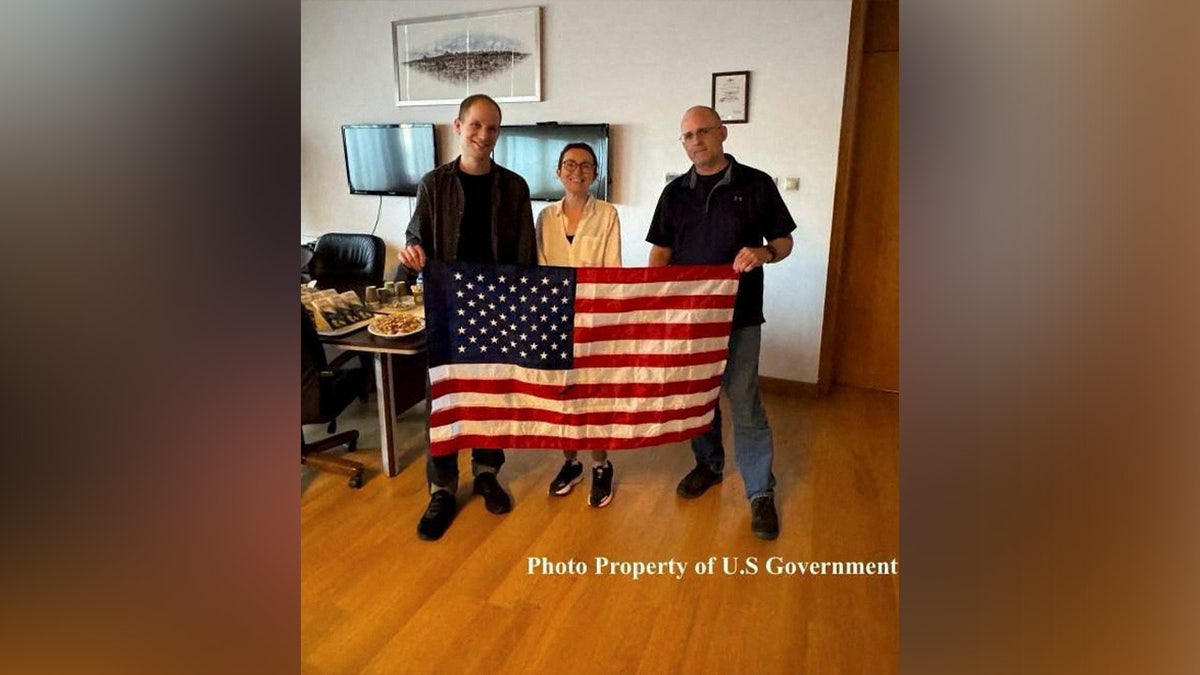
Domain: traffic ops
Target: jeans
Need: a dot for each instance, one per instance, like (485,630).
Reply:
(442,472)
(753,448)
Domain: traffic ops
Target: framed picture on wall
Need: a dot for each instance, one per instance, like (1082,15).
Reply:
(444,59)
(731,96)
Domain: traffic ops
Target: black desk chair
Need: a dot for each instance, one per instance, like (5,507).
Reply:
(306,256)
(348,262)
(324,394)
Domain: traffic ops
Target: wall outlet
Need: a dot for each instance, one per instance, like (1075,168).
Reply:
(791,184)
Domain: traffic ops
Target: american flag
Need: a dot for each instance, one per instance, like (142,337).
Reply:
(584,359)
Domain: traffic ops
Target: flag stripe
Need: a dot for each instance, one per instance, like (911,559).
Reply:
(651,331)
(574,392)
(446,408)
(647,316)
(652,346)
(599,290)
(560,379)
(654,275)
(539,429)
(537,435)
(653,360)
(617,305)
(602,418)
(549,442)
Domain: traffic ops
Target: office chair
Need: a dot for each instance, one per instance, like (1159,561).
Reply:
(348,262)
(324,394)
(306,256)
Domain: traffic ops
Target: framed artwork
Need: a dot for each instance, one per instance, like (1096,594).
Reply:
(444,59)
(731,96)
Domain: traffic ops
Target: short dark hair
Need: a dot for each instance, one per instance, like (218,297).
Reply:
(579,146)
(476,98)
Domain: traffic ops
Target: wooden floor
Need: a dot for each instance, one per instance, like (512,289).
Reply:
(375,599)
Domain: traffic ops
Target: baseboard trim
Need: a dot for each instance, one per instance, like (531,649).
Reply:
(776,385)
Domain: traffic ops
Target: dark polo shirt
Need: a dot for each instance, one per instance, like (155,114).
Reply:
(703,227)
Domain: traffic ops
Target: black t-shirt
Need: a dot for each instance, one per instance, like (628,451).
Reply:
(707,183)
(475,228)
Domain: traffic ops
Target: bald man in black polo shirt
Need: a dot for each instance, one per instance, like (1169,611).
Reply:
(721,212)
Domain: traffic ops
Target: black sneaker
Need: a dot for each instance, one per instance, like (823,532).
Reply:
(697,481)
(494,497)
(438,516)
(568,476)
(764,522)
(601,493)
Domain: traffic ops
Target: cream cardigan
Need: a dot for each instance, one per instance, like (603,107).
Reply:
(597,237)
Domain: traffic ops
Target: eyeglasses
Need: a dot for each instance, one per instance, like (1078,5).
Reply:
(699,133)
(571,165)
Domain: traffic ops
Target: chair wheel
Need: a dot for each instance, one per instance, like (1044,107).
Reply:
(356,481)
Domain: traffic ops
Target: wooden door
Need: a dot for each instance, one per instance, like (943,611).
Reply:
(867,327)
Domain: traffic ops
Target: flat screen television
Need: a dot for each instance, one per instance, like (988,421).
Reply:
(388,159)
(532,151)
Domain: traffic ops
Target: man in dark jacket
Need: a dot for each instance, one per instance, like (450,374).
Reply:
(473,210)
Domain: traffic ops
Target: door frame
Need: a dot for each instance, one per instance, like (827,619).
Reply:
(841,195)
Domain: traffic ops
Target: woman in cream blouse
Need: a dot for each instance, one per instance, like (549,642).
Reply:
(580,231)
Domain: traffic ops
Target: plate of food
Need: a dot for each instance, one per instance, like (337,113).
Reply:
(395,325)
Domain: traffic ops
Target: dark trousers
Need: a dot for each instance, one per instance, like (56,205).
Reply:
(443,471)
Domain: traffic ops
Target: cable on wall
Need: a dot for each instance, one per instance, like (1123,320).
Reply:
(377,212)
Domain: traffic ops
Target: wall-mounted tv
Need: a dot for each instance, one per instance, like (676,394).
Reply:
(388,159)
(532,151)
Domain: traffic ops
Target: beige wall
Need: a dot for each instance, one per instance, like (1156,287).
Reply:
(636,65)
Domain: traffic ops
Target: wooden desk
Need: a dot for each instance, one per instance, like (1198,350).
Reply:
(384,349)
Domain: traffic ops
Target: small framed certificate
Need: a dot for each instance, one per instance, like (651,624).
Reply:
(731,96)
